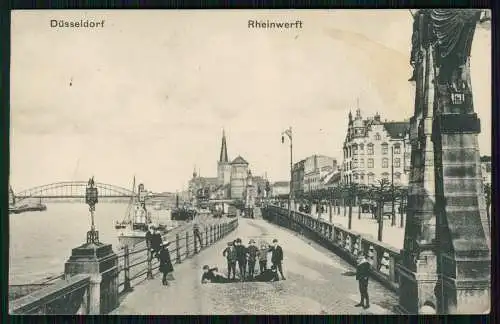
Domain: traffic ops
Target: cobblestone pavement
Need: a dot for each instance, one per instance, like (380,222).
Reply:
(317,283)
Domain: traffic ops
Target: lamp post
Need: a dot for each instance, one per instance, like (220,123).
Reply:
(393,212)
(288,132)
(91,199)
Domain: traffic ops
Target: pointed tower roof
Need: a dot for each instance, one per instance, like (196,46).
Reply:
(223,149)
(239,160)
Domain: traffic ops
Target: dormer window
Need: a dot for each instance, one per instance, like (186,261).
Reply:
(377,137)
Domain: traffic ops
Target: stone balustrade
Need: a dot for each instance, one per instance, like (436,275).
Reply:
(346,243)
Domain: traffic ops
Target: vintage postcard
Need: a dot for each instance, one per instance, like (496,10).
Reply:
(250,162)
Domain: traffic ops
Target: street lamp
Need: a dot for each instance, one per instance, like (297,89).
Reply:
(91,199)
(288,132)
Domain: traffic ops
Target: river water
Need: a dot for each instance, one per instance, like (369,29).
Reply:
(41,242)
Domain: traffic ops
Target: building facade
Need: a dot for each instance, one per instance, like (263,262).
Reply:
(250,192)
(315,168)
(239,172)
(223,165)
(374,150)
(298,178)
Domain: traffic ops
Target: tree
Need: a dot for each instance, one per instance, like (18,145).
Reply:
(362,193)
(351,190)
(380,192)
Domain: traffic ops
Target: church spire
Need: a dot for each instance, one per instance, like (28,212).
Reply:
(223,149)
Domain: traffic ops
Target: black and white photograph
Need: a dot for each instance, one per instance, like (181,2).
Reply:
(250,162)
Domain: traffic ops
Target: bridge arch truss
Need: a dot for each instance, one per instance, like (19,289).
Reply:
(73,189)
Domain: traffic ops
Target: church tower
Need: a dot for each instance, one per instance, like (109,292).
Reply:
(223,165)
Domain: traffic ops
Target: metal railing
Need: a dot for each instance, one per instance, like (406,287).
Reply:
(72,295)
(345,243)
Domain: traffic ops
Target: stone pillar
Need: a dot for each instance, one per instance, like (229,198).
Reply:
(101,263)
(446,255)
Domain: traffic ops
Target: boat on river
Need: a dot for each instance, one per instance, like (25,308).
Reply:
(132,229)
(27,207)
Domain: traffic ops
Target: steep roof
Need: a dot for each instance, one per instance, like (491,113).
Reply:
(239,160)
(223,149)
(397,129)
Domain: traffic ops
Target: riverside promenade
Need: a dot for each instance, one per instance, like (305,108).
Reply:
(318,282)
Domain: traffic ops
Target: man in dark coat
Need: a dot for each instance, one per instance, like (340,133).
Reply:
(197,234)
(362,274)
(230,254)
(277,257)
(269,275)
(156,242)
(166,266)
(252,251)
(241,257)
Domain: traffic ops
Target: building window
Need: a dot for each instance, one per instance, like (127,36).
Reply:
(354,149)
(397,163)
(370,178)
(361,148)
(355,164)
(355,177)
(377,137)
(385,149)
(370,149)
(397,149)
(370,163)
(361,163)
(385,163)
(362,177)
(397,176)
(385,175)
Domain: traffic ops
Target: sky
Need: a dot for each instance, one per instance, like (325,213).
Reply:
(148,94)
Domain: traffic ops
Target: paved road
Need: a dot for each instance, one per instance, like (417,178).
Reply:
(315,283)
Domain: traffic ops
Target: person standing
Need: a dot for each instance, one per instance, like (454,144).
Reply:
(252,251)
(156,242)
(197,233)
(230,254)
(362,274)
(277,257)
(262,255)
(241,257)
(166,266)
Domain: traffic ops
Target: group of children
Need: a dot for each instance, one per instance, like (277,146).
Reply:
(247,258)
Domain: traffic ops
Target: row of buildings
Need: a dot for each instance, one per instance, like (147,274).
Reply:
(372,149)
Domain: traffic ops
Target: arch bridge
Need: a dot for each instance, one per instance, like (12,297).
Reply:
(77,189)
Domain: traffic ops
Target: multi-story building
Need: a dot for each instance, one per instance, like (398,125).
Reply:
(280,188)
(239,173)
(315,168)
(298,178)
(251,191)
(486,169)
(374,150)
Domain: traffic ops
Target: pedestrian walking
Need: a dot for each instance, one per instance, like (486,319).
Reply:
(262,256)
(362,274)
(231,257)
(197,233)
(277,257)
(166,266)
(241,257)
(252,251)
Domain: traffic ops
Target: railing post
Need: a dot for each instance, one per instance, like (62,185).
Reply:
(211,234)
(206,236)
(95,295)
(195,244)
(178,248)
(126,268)
(187,244)
(392,267)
